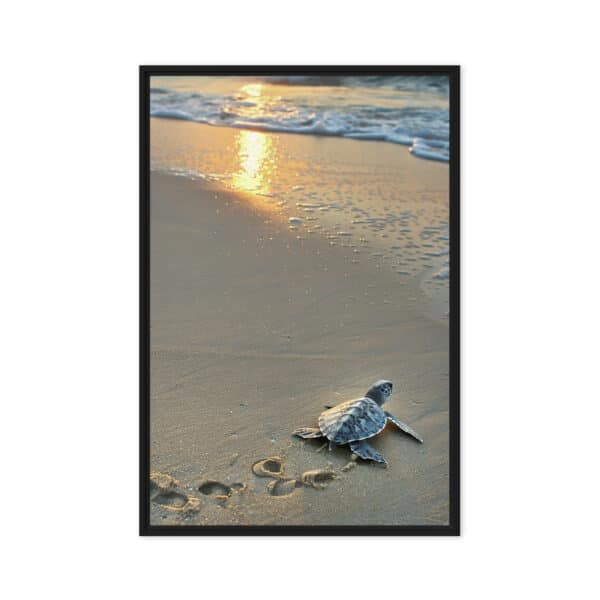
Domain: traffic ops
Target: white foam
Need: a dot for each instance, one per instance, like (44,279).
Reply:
(171,114)
(430,149)
(411,114)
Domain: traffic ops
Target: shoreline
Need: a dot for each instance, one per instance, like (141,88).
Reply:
(417,152)
(368,197)
(391,114)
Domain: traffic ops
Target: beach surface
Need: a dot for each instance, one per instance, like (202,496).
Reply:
(260,317)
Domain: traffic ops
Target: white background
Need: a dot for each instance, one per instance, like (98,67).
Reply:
(68,336)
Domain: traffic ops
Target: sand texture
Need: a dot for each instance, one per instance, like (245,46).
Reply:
(254,330)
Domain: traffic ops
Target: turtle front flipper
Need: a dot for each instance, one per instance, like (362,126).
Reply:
(403,426)
(362,449)
(308,432)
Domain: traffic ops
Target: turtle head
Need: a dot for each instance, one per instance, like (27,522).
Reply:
(380,391)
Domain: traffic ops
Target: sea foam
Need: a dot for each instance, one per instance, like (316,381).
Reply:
(411,111)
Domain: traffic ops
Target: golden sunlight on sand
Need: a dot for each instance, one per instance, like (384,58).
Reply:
(256,155)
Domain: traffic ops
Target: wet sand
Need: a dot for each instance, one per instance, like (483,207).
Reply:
(254,329)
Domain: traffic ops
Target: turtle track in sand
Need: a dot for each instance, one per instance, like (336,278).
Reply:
(167,493)
(221,492)
(269,467)
(171,500)
(283,487)
(273,467)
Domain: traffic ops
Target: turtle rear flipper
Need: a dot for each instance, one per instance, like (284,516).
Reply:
(403,426)
(308,432)
(362,449)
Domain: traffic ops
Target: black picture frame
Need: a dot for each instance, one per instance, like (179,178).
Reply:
(453,527)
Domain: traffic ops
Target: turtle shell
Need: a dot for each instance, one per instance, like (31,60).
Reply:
(352,420)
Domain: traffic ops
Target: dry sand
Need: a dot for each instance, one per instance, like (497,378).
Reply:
(253,332)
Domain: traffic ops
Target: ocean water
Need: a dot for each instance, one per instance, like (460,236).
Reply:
(407,110)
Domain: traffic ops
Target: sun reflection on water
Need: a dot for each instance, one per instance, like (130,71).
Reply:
(256,156)
(252,89)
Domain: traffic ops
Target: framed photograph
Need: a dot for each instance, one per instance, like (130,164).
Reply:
(299,316)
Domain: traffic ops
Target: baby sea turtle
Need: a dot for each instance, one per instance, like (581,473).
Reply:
(355,421)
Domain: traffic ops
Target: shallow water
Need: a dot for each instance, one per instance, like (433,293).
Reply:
(407,110)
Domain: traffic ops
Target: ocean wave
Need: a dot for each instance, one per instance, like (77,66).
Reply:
(394,109)
(430,149)
(171,114)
